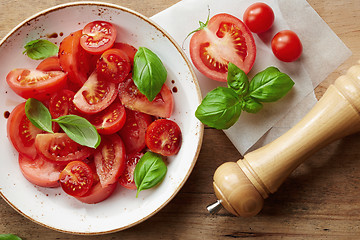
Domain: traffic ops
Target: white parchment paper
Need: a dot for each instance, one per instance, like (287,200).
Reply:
(317,61)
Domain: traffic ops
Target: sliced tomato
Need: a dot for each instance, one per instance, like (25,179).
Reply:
(128,49)
(50,64)
(61,103)
(97,193)
(32,83)
(74,60)
(133,132)
(21,132)
(95,95)
(109,159)
(225,39)
(163,136)
(58,147)
(113,65)
(110,120)
(39,171)
(131,97)
(76,179)
(127,178)
(98,36)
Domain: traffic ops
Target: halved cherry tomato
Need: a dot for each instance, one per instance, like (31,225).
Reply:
(58,147)
(39,171)
(21,132)
(97,193)
(133,132)
(110,120)
(76,179)
(163,136)
(50,64)
(98,36)
(259,17)
(131,97)
(61,103)
(286,46)
(32,83)
(225,39)
(128,49)
(109,159)
(113,65)
(95,95)
(127,178)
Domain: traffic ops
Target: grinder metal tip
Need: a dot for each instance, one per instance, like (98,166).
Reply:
(214,207)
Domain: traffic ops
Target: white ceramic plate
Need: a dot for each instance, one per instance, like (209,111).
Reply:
(52,207)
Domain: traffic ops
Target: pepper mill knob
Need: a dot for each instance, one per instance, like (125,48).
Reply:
(242,186)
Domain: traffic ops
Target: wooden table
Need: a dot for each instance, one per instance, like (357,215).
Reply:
(321,199)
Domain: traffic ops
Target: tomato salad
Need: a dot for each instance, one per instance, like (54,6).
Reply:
(94,78)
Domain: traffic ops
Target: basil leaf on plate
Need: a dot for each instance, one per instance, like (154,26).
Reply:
(237,80)
(250,105)
(149,73)
(9,237)
(79,130)
(40,49)
(220,109)
(149,171)
(270,85)
(38,115)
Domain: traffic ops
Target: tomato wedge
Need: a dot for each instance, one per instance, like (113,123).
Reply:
(128,49)
(127,178)
(225,39)
(49,64)
(109,159)
(61,103)
(95,95)
(97,194)
(76,179)
(58,147)
(131,97)
(32,83)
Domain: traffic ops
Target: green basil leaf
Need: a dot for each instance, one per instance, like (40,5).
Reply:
(270,85)
(237,80)
(149,171)
(149,73)
(40,49)
(38,114)
(79,130)
(250,105)
(220,109)
(9,237)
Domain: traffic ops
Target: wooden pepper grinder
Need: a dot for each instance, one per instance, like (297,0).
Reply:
(242,186)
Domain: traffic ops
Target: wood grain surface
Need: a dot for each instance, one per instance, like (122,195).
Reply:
(320,200)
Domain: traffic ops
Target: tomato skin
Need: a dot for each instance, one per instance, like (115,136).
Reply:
(97,194)
(286,46)
(76,179)
(39,171)
(259,17)
(109,159)
(61,103)
(132,98)
(128,49)
(32,83)
(163,136)
(98,36)
(49,64)
(225,39)
(133,132)
(127,178)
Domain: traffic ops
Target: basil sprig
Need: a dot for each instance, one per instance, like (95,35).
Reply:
(149,73)
(149,171)
(40,49)
(221,108)
(9,237)
(77,128)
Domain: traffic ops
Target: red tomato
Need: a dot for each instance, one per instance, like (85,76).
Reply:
(98,36)
(259,17)
(286,46)
(76,179)
(61,103)
(39,171)
(131,97)
(110,120)
(133,132)
(95,95)
(21,132)
(50,64)
(163,136)
(31,83)
(127,178)
(113,65)
(97,194)
(225,39)
(58,147)
(109,159)
(128,49)
(75,60)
